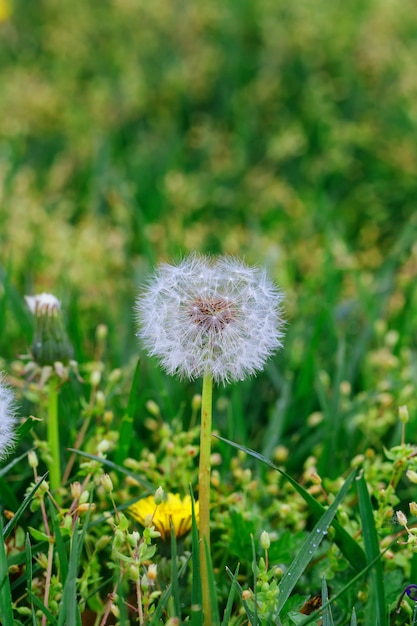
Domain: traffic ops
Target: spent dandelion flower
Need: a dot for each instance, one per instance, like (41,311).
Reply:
(210,316)
(214,318)
(7,418)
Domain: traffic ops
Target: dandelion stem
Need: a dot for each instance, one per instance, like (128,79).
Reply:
(204,492)
(53,435)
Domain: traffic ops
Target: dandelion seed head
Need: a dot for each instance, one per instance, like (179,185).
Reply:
(210,316)
(7,418)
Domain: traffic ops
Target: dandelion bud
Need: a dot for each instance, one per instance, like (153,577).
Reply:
(50,343)
(7,418)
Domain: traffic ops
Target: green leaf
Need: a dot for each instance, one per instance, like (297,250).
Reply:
(38,534)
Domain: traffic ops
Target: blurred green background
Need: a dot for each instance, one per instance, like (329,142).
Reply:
(135,131)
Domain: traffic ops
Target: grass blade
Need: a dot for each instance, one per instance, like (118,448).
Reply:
(376,606)
(229,605)
(196,594)
(174,574)
(6,607)
(12,523)
(327,612)
(59,543)
(215,618)
(69,611)
(126,427)
(310,546)
(351,550)
(249,612)
(29,574)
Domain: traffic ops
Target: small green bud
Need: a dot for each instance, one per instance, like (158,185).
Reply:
(153,408)
(75,490)
(123,522)
(403,414)
(33,459)
(412,476)
(401,518)
(159,496)
(84,497)
(101,332)
(95,378)
(265,540)
(196,402)
(107,483)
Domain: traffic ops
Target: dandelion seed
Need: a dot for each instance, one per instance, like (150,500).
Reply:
(7,419)
(210,316)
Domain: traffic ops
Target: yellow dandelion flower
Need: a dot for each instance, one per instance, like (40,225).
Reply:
(5,10)
(174,508)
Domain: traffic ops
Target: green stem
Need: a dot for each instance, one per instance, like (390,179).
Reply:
(53,436)
(204,492)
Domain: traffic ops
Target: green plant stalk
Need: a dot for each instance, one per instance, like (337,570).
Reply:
(53,436)
(204,492)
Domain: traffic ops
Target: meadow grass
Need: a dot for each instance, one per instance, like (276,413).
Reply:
(135,132)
